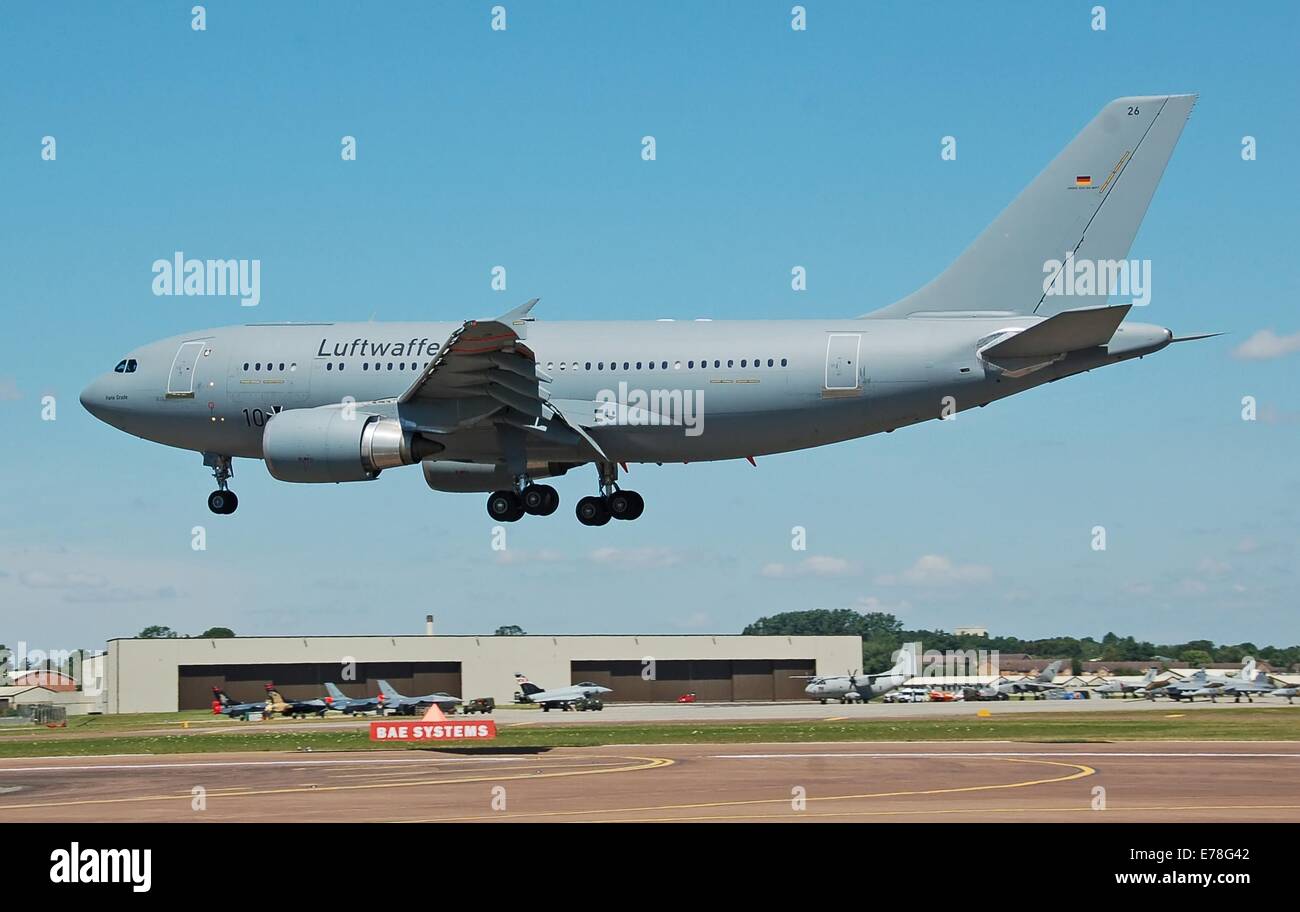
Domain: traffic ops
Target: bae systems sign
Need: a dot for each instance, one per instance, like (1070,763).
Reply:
(432,731)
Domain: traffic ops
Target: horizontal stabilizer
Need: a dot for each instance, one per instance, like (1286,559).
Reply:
(1070,330)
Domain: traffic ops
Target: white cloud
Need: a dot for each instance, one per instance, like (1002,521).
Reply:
(813,565)
(936,570)
(869,603)
(1265,345)
(636,557)
(522,556)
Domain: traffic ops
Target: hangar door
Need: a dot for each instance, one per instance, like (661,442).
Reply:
(306,680)
(714,680)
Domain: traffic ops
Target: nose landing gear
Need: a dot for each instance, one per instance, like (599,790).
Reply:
(221,501)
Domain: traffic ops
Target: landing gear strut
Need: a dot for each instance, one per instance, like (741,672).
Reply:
(221,501)
(613,502)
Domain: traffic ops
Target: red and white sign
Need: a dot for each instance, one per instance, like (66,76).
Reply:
(435,726)
(384,730)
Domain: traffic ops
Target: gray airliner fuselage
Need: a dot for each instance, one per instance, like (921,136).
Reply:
(493,405)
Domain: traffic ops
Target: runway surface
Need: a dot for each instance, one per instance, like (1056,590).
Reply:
(984,781)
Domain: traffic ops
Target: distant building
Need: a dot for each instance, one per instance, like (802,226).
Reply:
(971,632)
(48,678)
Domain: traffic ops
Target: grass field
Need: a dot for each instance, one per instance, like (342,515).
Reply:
(163,733)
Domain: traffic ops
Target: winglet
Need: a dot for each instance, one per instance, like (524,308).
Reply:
(520,313)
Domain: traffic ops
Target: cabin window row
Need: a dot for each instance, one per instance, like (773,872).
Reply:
(663,365)
(379,365)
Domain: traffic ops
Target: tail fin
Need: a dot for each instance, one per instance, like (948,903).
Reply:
(387,690)
(1248,668)
(334,692)
(526,687)
(906,660)
(1150,676)
(1087,204)
(220,696)
(1051,671)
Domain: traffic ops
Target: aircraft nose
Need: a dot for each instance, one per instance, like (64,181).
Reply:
(92,399)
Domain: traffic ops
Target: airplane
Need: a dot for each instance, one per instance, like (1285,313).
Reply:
(1037,685)
(1122,688)
(496,405)
(228,707)
(850,687)
(1247,683)
(400,705)
(576,696)
(1196,685)
(341,702)
(1203,684)
(294,709)
(1290,692)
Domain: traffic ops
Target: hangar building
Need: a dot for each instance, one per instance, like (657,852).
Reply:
(165,675)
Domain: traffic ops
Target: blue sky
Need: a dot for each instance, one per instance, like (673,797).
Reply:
(774,148)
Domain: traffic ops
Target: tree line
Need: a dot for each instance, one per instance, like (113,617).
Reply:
(883,633)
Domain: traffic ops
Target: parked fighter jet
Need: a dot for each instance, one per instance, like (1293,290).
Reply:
(341,702)
(1204,684)
(496,405)
(1196,685)
(294,709)
(1290,692)
(1248,683)
(396,703)
(1038,685)
(1124,688)
(228,707)
(583,695)
(851,687)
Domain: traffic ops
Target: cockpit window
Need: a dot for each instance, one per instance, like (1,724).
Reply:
(130,365)
(121,367)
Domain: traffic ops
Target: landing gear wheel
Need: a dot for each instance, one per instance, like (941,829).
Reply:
(626,505)
(223,502)
(592,511)
(505,506)
(540,500)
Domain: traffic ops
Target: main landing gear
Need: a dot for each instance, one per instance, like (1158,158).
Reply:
(613,502)
(542,500)
(221,501)
(533,499)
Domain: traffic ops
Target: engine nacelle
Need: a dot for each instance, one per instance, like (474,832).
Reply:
(468,477)
(321,445)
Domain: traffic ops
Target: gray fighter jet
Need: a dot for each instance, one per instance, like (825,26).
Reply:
(1124,688)
(400,705)
(341,702)
(584,695)
(497,405)
(1038,685)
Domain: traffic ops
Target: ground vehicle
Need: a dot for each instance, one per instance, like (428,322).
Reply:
(479,705)
(906,696)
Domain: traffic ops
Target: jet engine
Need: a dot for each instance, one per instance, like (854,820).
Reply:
(464,477)
(330,445)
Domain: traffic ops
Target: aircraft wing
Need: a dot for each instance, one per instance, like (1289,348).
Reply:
(486,373)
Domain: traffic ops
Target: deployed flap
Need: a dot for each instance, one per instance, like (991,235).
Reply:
(1068,331)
